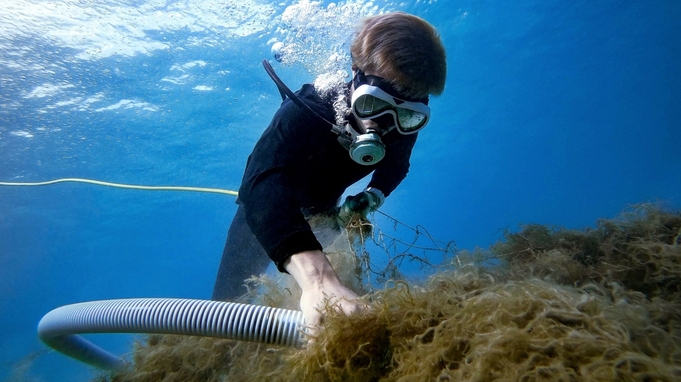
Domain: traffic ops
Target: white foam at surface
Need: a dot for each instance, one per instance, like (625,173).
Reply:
(47,90)
(317,37)
(23,134)
(178,80)
(72,101)
(129,104)
(194,63)
(78,103)
(92,99)
(188,65)
(99,29)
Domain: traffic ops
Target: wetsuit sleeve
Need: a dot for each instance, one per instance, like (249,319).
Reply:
(268,192)
(394,167)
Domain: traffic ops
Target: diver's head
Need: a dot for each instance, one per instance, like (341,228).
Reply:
(398,60)
(404,50)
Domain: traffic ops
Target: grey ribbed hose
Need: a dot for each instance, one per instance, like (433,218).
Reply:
(60,327)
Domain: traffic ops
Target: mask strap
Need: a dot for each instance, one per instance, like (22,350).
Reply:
(360,79)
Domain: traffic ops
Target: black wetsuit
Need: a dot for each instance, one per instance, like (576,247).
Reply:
(297,166)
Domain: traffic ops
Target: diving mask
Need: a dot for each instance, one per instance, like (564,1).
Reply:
(375,98)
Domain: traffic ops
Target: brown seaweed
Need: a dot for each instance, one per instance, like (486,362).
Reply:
(600,304)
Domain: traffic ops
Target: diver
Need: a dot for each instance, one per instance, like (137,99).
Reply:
(311,153)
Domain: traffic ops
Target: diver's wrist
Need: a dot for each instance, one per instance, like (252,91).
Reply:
(310,269)
(379,197)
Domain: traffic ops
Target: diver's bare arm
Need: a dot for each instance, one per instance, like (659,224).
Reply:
(318,281)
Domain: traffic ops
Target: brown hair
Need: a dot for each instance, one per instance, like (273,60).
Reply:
(405,49)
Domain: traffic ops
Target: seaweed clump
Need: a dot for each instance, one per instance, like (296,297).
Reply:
(594,305)
(641,250)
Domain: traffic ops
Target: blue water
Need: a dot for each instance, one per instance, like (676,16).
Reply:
(554,112)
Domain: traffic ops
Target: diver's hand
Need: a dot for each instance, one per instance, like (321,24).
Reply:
(319,283)
(363,203)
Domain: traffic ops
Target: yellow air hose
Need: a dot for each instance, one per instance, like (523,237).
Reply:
(121,185)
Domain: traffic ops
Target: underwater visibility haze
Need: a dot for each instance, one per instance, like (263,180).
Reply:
(555,113)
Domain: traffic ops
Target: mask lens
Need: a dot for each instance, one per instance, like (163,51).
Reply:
(410,120)
(385,121)
(368,105)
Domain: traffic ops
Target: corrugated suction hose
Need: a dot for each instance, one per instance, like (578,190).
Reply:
(60,327)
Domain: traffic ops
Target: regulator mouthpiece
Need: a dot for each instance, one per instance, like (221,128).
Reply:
(367,149)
